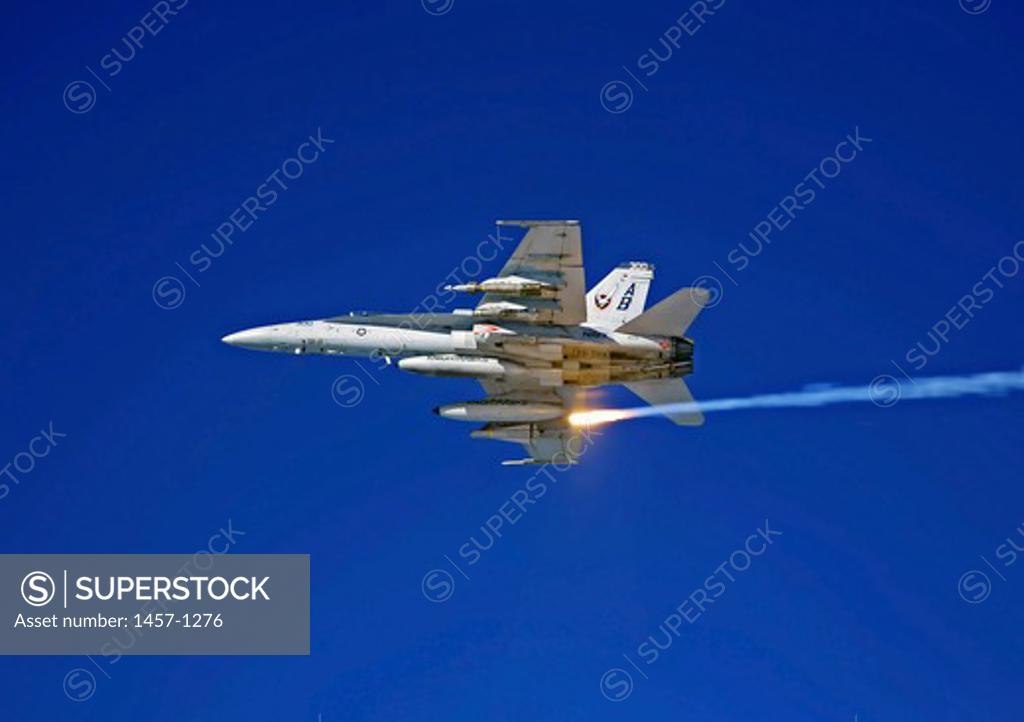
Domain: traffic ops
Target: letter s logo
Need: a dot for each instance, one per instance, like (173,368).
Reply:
(38,589)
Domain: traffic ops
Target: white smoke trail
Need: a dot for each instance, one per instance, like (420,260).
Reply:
(884,391)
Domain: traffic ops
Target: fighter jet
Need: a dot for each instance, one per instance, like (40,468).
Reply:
(536,341)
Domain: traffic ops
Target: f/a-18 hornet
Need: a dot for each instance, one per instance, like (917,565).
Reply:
(535,342)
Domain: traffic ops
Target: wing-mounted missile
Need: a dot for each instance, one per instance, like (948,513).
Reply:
(502,411)
(535,300)
(528,310)
(509,286)
(506,310)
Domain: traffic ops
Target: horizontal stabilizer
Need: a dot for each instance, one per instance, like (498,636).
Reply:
(671,317)
(669,391)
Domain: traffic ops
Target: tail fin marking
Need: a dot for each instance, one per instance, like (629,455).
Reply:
(620,296)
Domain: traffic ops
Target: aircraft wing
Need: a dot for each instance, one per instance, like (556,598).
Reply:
(551,252)
(553,441)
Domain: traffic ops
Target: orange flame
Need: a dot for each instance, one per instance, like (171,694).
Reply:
(596,417)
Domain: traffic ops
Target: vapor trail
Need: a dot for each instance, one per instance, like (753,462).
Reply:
(884,390)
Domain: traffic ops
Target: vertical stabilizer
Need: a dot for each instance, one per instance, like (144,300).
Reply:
(621,296)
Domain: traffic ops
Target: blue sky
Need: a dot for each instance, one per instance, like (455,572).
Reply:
(441,124)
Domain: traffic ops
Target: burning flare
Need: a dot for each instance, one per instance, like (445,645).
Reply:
(598,416)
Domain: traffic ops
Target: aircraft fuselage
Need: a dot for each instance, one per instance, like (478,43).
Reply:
(458,345)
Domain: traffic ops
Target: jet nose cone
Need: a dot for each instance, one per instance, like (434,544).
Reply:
(234,339)
(249,338)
